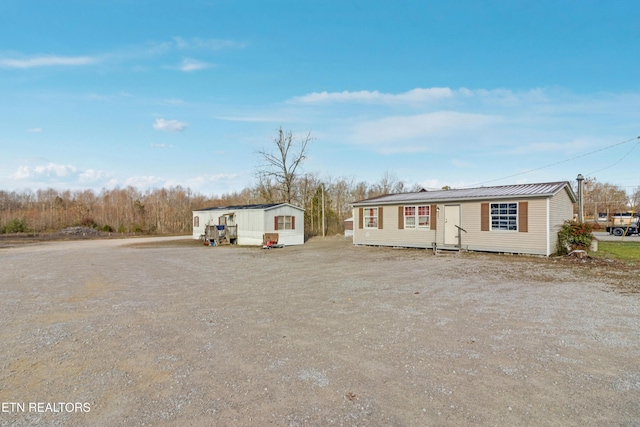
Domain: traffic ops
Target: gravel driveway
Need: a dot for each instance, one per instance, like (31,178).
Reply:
(326,334)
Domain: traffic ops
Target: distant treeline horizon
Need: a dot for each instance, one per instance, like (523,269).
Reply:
(169,210)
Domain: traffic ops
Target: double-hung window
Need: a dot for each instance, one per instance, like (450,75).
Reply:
(423,216)
(504,216)
(409,217)
(284,223)
(370,217)
(416,216)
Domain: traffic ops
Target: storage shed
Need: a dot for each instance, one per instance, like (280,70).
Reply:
(253,221)
(523,218)
(348,227)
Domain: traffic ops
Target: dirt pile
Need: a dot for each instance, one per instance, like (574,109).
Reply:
(81,231)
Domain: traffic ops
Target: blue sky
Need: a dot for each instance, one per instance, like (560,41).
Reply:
(99,94)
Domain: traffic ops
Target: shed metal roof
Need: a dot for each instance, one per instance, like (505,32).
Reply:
(546,189)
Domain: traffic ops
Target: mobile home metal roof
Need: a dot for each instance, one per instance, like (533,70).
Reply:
(263,206)
(546,189)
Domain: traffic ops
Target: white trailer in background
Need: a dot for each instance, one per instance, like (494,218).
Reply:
(252,222)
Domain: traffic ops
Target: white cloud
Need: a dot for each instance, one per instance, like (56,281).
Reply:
(219,183)
(35,130)
(91,175)
(365,96)
(162,145)
(55,174)
(145,181)
(191,44)
(23,172)
(394,130)
(47,61)
(215,177)
(193,65)
(169,125)
(460,163)
(127,54)
(52,169)
(501,97)
(252,119)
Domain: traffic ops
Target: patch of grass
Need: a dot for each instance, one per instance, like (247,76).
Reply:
(622,251)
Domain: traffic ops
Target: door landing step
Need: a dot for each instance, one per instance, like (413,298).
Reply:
(446,248)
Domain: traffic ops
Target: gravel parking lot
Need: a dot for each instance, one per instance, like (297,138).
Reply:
(170,332)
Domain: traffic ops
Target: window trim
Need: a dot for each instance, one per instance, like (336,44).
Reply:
(416,217)
(291,223)
(508,217)
(374,218)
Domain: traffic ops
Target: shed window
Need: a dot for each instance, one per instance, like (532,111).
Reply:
(416,216)
(504,216)
(196,221)
(370,218)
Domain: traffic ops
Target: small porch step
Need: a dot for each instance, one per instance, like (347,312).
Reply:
(447,248)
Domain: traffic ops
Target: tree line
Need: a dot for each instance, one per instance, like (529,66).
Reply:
(279,179)
(605,198)
(169,210)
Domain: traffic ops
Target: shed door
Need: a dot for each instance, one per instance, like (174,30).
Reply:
(451,220)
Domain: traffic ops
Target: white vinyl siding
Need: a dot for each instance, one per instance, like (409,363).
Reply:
(534,241)
(531,242)
(560,210)
(530,223)
(390,235)
(253,223)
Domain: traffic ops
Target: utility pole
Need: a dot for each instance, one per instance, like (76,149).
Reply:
(580,201)
(323,210)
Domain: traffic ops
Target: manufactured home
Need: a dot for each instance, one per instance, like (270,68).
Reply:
(252,222)
(523,218)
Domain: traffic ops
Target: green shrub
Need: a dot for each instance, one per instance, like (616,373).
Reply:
(107,228)
(574,235)
(16,226)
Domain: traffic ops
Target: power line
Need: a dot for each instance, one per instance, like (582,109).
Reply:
(565,161)
(619,160)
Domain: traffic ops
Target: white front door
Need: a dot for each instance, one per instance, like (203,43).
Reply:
(451,220)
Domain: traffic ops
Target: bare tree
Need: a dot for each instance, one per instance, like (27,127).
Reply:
(266,190)
(388,184)
(282,164)
(600,197)
(635,199)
